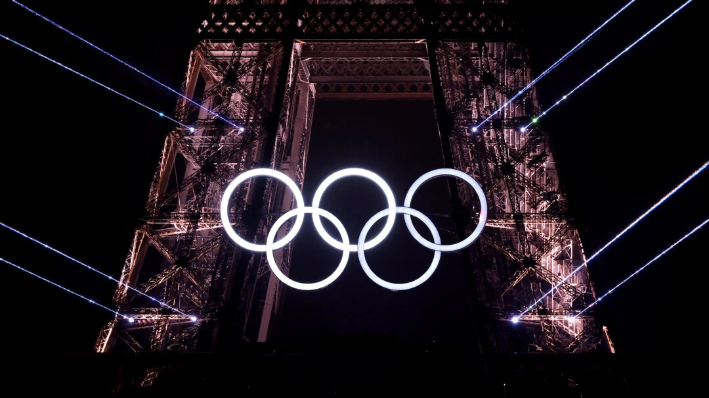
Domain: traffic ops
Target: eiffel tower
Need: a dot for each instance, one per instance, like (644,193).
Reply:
(262,64)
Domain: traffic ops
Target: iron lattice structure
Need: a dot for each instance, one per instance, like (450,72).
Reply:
(262,64)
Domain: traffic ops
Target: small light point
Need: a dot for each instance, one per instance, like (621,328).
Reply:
(161,114)
(564,97)
(131,319)
(571,318)
(534,120)
(523,129)
(474,129)
(193,318)
(241,129)
(192,129)
(515,319)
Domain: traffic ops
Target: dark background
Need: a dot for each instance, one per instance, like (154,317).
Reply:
(77,162)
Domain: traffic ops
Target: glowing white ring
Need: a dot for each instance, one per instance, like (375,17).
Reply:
(359,173)
(272,261)
(481,221)
(398,286)
(300,203)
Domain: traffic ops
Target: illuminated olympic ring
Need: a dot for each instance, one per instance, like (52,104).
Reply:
(362,245)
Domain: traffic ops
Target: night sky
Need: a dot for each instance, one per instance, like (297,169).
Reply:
(77,163)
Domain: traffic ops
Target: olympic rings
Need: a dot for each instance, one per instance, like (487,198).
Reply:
(344,245)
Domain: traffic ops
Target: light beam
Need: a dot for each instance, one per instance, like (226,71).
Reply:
(66,290)
(607,63)
(95,81)
(644,266)
(677,188)
(554,65)
(46,246)
(127,65)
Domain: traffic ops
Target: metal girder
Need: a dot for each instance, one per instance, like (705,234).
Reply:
(364,55)
(369,79)
(197,181)
(102,342)
(481,76)
(160,278)
(528,263)
(162,173)
(514,280)
(576,344)
(131,342)
(196,252)
(558,281)
(548,333)
(128,267)
(509,218)
(230,73)
(159,244)
(183,146)
(560,233)
(248,21)
(174,218)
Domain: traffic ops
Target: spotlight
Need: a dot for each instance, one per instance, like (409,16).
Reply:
(515,319)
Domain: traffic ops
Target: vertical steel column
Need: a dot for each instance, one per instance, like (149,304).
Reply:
(445,122)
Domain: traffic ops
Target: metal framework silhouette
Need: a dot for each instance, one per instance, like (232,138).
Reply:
(263,64)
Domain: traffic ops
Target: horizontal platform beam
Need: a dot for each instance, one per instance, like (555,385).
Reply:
(459,22)
(370,79)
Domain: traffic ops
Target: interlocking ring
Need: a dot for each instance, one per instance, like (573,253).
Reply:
(360,173)
(481,221)
(281,275)
(224,208)
(398,286)
(362,244)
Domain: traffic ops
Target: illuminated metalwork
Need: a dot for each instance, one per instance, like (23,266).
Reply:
(261,64)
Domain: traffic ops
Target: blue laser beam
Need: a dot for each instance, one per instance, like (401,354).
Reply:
(191,129)
(46,246)
(536,119)
(554,65)
(127,65)
(643,267)
(637,220)
(65,289)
